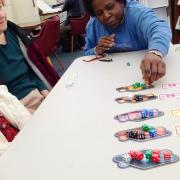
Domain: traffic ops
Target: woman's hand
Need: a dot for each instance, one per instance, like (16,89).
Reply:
(104,44)
(44,93)
(152,67)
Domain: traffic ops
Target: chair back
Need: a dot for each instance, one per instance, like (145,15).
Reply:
(49,35)
(78,25)
(44,44)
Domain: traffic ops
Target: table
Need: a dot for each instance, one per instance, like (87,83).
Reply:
(71,136)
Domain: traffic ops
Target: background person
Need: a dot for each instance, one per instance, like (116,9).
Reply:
(74,9)
(126,25)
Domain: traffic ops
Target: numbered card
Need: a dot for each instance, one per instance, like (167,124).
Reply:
(171,85)
(169,96)
(177,130)
(175,113)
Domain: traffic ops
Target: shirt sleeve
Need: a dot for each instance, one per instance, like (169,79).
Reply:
(153,30)
(90,40)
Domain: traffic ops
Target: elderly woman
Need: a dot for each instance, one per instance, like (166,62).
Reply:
(15,72)
(126,25)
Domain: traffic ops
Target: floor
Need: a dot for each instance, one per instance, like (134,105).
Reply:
(66,59)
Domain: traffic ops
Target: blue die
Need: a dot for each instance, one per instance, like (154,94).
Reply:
(152,133)
(151,113)
(144,114)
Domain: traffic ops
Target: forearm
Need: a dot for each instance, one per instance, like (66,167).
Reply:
(154,31)
(160,39)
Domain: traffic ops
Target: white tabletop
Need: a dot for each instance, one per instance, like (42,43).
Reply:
(71,136)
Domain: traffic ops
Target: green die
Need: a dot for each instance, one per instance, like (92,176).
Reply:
(135,86)
(148,154)
(138,84)
(128,64)
(143,86)
(145,127)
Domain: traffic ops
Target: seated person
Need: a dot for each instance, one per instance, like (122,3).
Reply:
(74,8)
(15,72)
(126,25)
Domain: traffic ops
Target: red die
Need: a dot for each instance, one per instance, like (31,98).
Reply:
(167,155)
(155,158)
(133,154)
(156,151)
(139,155)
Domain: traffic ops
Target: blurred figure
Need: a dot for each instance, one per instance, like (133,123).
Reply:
(74,8)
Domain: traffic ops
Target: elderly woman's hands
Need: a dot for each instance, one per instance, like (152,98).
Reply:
(104,44)
(45,93)
(152,67)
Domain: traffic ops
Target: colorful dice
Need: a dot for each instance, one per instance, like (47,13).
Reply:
(133,134)
(144,114)
(152,133)
(155,158)
(139,155)
(126,157)
(143,86)
(148,154)
(141,135)
(132,154)
(151,113)
(136,85)
(138,97)
(167,155)
(145,127)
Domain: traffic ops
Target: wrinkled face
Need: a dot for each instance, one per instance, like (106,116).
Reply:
(109,12)
(3,21)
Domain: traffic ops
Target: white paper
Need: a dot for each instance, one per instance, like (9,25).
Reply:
(45,8)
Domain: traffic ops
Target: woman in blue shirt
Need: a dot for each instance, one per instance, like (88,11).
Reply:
(126,25)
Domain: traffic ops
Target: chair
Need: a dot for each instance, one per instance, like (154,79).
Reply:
(48,38)
(78,26)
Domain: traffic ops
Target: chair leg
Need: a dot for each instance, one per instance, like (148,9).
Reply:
(59,61)
(72,43)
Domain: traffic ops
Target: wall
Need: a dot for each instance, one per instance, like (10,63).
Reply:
(22,11)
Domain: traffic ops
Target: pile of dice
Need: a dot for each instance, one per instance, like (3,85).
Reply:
(135,87)
(138,97)
(142,133)
(155,156)
(139,85)
(142,114)
(145,156)
(151,113)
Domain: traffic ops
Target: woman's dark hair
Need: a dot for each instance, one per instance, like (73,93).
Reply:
(89,9)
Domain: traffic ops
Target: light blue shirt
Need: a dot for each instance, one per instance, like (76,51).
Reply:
(141,29)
